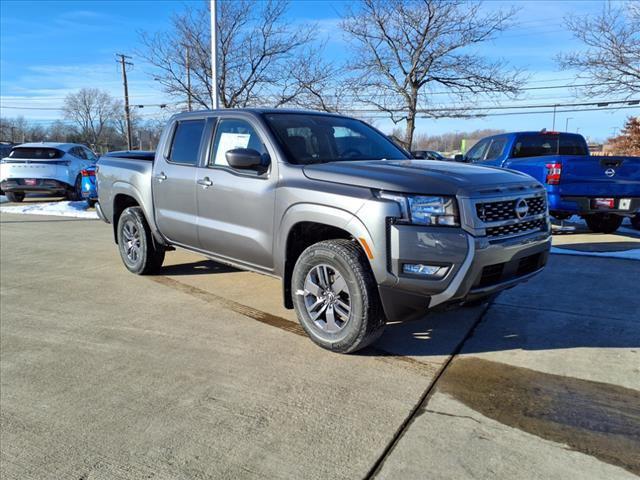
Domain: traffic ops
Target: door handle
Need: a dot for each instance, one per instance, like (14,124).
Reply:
(205,182)
(161,177)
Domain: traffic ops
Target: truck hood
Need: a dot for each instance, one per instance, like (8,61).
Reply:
(416,176)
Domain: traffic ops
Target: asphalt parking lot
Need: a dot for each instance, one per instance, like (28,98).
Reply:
(200,373)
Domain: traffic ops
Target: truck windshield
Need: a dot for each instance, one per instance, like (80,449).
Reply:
(312,138)
(541,144)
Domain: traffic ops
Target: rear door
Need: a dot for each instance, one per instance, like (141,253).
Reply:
(236,207)
(174,183)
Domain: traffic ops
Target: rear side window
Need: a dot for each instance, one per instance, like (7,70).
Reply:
(535,146)
(542,145)
(186,142)
(36,153)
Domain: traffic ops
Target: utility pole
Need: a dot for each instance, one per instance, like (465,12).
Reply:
(553,128)
(214,54)
(127,112)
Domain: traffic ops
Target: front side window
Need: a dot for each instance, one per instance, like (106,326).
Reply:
(186,142)
(233,133)
(313,138)
(477,152)
(496,148)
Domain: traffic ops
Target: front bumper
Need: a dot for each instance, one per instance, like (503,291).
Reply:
(477,266)
(42,185)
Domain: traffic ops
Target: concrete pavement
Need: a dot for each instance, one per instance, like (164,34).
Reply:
(200,373)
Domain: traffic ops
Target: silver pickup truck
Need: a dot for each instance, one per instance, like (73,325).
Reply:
(359,232)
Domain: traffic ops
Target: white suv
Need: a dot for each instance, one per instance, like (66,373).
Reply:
(45,168)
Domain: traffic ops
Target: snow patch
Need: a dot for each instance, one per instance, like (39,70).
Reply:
(59,209)
(3,199)
(633,254)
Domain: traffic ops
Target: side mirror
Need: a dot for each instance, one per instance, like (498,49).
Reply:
(460,158)
(244,159)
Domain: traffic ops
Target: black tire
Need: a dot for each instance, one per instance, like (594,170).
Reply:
(561,216)
(365,321)
(134,235)
(91,203)
(17,197)
(75,194)
(635,221)
(603,222)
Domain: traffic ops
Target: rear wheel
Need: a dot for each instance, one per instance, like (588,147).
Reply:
(635,221)
(91,203)
(15,196)
(336,297)
(75,194)
(137,249)
(603,222)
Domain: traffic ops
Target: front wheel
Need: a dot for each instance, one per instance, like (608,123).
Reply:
(336,297)
(603,222)
(137,249)
(17,197)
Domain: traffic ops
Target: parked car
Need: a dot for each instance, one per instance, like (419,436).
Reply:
(89,190)
(602,190)
(428,155)
(45,168)
(5,149)
(358,231)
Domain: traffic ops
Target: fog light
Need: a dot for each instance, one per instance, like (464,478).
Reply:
(436,271)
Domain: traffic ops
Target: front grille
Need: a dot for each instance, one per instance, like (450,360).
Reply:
(506,209)
(516,228)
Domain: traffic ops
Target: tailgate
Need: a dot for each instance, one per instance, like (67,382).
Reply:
(585,176)
(34,169)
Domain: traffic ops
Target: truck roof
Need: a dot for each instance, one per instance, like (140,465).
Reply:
(254,111)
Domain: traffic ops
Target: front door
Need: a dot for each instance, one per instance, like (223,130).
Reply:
(174,184)
(236,207)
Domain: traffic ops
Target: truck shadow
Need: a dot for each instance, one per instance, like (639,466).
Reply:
(201,267)
(577,302)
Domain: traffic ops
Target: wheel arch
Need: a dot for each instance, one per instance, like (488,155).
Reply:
(305,224)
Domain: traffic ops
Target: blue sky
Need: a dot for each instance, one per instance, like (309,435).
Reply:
(51,48)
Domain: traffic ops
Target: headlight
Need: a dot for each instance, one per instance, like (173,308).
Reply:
(425,209)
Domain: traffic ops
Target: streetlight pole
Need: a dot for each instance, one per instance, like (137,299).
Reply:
(566,124)
(214,54)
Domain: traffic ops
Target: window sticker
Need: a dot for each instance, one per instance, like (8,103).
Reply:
(229,141)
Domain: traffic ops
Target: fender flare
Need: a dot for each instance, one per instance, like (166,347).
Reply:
(322,214)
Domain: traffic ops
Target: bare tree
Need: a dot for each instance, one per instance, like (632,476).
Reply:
(92,111)
(405,48)
(257,51)
(611,61)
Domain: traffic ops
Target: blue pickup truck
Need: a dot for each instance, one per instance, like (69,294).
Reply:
(602,190)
